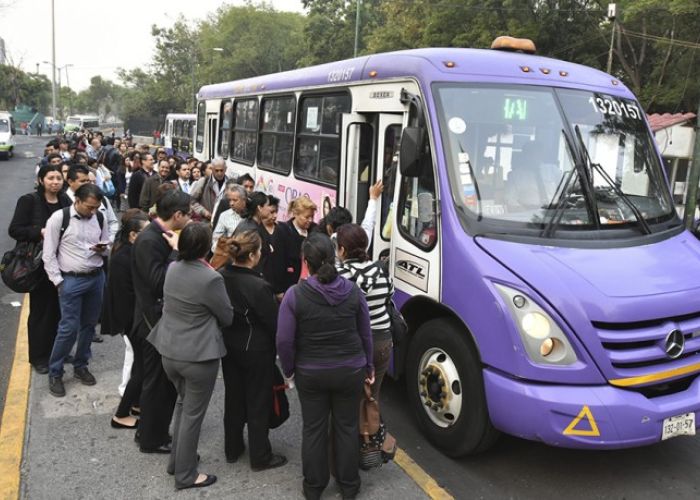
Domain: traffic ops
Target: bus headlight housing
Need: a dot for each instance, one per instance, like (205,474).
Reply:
(545,343)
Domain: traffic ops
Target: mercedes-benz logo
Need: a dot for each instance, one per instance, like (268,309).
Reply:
(675,343)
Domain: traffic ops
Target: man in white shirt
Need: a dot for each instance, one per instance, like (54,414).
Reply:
(229,219)
(183,177)
(73,260)
(79,175)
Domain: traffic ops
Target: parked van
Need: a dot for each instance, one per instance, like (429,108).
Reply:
(7,135)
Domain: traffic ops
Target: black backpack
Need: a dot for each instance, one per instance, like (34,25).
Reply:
(66,221)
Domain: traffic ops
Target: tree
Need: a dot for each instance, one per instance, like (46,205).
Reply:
(657,51)
(330,29)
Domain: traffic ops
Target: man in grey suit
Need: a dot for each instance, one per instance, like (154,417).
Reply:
(189,339)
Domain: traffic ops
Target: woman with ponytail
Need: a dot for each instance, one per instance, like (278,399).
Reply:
(118,315)
(257,210)
(324,343)
(250,345)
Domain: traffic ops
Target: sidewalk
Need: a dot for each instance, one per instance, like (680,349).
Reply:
(72,452)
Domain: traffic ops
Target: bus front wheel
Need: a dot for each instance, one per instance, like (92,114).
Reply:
(446,389)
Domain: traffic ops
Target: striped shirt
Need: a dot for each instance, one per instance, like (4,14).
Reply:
(375,284)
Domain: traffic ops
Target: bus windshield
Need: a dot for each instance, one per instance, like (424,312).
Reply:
(535,157)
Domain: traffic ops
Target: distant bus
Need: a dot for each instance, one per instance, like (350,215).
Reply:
(550,289)
(78,122)
(178,133)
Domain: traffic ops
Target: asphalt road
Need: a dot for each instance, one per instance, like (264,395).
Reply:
(18,179)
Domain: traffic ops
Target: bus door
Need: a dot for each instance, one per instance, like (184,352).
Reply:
(363,162)
(412,224)
(213,132)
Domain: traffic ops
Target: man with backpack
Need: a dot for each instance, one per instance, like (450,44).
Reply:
(75,241)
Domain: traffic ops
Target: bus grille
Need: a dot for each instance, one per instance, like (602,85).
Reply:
(639,348)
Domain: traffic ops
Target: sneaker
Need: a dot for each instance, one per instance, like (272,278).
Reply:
(84,375)
(275,461)
(56,386)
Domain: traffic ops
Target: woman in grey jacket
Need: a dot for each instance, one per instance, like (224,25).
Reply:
(188,337)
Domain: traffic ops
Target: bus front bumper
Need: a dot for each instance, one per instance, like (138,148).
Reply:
(592,417)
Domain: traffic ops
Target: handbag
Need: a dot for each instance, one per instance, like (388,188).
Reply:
(371,431)
(280,403)
(22,268)
(399,328)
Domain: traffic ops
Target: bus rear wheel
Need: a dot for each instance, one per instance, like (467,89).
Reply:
(446,389)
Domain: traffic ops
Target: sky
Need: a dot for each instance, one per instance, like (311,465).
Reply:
(96,37)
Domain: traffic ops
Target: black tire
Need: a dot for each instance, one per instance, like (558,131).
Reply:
(470,431)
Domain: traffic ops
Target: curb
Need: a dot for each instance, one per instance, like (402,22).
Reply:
(14,417)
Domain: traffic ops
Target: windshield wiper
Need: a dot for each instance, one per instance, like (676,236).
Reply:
(642,223)
(561,194)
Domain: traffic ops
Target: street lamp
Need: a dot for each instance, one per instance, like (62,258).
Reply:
(58,68)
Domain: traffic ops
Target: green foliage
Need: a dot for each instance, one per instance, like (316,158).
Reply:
(18,87)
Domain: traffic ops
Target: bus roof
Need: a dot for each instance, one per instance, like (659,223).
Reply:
(83,117)
(428,65)
(181,116)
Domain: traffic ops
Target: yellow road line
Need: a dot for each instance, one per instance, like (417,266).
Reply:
(14,415)
(422,479)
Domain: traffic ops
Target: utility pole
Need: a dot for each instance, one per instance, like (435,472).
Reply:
(612,16)
(693,179)
(194,66)
(357,27)
(53,60)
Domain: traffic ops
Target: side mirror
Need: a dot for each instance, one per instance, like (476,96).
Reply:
(13,131)
(412,151)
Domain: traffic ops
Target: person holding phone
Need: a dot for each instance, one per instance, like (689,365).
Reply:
(73,260)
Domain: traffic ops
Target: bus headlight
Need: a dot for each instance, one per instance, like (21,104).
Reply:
(544,341)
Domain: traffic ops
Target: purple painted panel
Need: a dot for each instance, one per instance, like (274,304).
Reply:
(427,65)
(543,412)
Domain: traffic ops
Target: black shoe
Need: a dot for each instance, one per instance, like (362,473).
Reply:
(211,479)
(41,368)
(56,386)
(97,339)
(84,375)
(275,461)
(234,458)
(135,411)
(163,449)
(68,360)
(118,425)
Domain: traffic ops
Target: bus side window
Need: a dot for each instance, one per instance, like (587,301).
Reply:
(417,215)
(318,138)
(225,129)
(201,118)
(245,131)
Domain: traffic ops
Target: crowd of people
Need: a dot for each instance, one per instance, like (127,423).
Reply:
(192,267)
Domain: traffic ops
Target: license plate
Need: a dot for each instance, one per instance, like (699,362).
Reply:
(680,425)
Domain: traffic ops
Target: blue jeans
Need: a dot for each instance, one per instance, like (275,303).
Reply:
(81,303)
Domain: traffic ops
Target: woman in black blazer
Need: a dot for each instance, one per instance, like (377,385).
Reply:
(248,364)
(28,222)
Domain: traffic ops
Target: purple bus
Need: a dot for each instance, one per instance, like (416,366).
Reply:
(550,289)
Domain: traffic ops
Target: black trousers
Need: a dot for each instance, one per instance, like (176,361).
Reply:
(333,393)
(158,397)
(132,392)
(248,398)
(42,325)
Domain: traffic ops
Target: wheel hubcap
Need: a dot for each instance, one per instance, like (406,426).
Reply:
(439,387)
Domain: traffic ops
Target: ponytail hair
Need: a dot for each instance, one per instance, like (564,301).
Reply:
(240,246)
(319,254)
